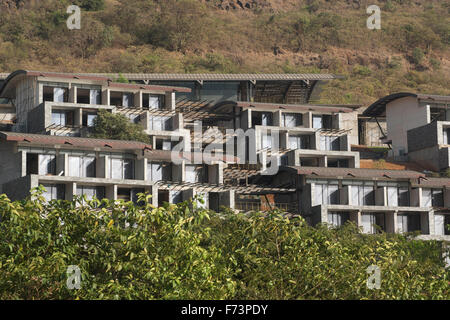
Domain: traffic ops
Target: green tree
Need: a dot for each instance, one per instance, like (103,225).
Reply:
(136,251)
(117,127)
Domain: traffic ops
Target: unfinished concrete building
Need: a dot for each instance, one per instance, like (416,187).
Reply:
(50,115)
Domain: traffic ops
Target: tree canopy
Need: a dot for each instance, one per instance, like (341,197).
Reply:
(128,251)
(108,125)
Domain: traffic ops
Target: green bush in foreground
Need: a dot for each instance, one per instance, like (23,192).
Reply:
(128,251)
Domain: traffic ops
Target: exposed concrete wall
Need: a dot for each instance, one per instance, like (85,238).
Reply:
(428,158)
(20,188)
(11,163)
(423,137)
(402,115)
(349,121)
(36,119)
(28,96)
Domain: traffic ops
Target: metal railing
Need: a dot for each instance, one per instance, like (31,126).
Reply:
(258,206)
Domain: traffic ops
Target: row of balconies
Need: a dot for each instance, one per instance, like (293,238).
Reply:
(380,196)
(121,168)
(95,95)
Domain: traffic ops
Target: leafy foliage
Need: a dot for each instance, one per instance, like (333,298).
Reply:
(128,251)
(117,127)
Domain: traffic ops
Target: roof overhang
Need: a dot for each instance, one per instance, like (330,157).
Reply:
(8,88)
(378,109)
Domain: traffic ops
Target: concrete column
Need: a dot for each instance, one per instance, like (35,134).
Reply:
(380,196)
(416,197)
(155,196)
(227,199)
(62,164)
(308,120)
(323,161)
(447,197)
(246,119)
(23,161)
(177,121)
(277,116)
(395,221)
(355,217)
(102,167)
(78,117)
(141,169)
(284,140)
(105,96)
(323,214)
(71,190)
(391,222)
(215,173)
(73,94)
(179,172)
(431,222)
(170,101)
(345,195)
(111,192)
(138,99)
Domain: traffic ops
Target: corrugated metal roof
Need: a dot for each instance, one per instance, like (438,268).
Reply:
(358,173)
(222,76)
(209,76)
(434,182)
(378,108)
(88,143)
(104,79)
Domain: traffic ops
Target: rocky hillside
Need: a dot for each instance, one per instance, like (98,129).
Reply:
(409,53)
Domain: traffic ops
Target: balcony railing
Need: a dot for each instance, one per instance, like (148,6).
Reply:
(258,206)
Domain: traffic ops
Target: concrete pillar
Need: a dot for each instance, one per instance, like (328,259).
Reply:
(284,140)
(380,196)
(111,192)
(106,96)
(71,190)
(246,119)
(277,116)
(355,217)
(141,169)
(215,173)
(62,164)
(73,94)
(155,196)
(170,101)
(78,117)
(323,214)
(391,221)
(395,221)
(323,161)
(345,195)
(227,199)
(138,99)
(308,120)
(427,222)
(102,167)
(179,172)
(447,197)
(177,121)
(23,161)
(416,197)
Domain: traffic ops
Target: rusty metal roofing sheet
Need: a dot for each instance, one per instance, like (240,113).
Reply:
(358,173)
(88,143)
